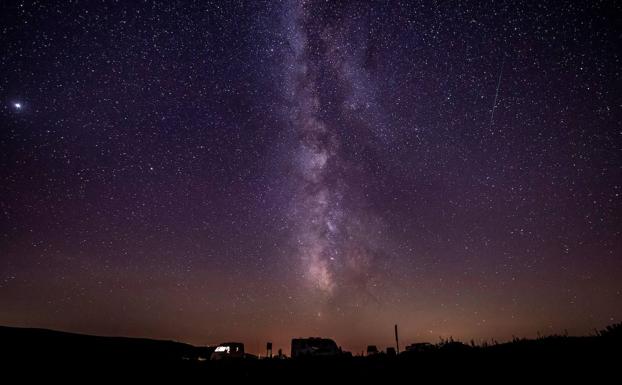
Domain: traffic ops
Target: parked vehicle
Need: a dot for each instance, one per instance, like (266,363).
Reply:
(314,347)
(228,350)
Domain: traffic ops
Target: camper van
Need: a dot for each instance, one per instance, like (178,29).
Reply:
(228,350)
(314,347)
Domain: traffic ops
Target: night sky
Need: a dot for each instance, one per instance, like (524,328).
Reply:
(257,171)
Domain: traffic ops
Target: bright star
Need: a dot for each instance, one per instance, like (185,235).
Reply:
(17,105)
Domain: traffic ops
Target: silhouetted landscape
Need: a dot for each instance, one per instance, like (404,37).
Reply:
(69,354)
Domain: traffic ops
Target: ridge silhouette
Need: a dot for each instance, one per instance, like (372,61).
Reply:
(67,354)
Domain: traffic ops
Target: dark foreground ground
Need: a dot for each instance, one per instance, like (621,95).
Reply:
(43,355)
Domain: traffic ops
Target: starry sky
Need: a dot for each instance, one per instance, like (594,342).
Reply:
(256,171)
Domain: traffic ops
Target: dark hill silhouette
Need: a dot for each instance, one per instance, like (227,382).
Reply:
(41,345)
(47,353)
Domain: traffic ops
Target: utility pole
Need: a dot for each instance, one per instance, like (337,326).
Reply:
(397,341)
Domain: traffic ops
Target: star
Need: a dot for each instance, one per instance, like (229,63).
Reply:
(17,105)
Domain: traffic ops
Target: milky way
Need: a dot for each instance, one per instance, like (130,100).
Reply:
(332,232)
